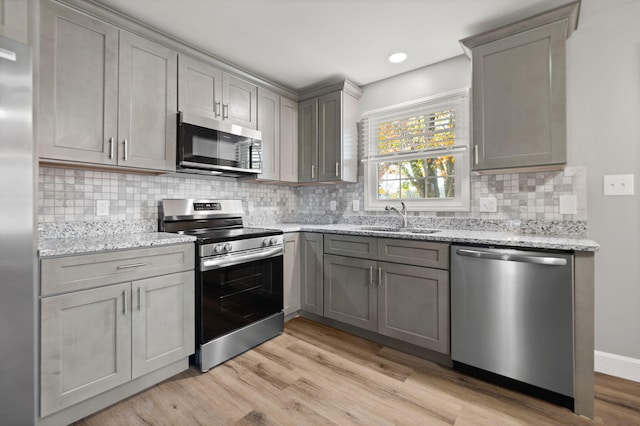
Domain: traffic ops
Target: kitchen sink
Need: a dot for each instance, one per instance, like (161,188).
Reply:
(398,229)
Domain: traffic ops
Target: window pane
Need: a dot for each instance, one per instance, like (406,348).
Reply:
(441,187)
(415,179)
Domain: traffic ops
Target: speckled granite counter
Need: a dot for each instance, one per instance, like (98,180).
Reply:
(510,239)
(100,243)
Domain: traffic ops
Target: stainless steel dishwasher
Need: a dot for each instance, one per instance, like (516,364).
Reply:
(512,319)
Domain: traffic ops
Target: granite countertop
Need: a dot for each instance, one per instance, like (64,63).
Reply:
(92,244)
(510,239)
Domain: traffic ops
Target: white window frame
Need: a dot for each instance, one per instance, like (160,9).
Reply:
(462,200)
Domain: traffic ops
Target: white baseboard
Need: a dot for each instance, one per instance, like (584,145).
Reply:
(617,365)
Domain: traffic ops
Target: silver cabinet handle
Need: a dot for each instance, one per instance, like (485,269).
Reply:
(539,260)
(222,261)
(132,265)
(126,156)
(124,302)
(313,171)
(8,55)
(110,148)
(379,276)
(337,169)
(216,113)
(370,275)
(475,154)
(225,107)
(140,299)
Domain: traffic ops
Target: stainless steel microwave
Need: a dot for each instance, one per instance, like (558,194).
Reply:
(216,148)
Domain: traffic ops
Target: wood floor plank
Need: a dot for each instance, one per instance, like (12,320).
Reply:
(316,375)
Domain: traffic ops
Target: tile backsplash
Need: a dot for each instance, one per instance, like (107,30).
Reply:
(69,195)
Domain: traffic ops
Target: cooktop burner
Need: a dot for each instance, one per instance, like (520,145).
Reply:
(210,221)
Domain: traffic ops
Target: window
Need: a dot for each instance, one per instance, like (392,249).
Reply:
(418,153)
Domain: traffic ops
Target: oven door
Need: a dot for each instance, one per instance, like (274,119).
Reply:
(234,296)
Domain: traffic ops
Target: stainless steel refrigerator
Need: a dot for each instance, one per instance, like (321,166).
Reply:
(18,264)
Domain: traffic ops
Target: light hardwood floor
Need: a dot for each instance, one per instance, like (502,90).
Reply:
(317,375)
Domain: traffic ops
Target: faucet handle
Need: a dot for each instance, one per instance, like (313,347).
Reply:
(404,208)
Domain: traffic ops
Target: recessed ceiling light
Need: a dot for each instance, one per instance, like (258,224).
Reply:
(398,57)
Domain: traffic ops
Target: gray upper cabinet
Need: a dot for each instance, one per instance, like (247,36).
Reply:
(269,126)
(328,134)
(288,140)
(199,88)
(519,92)
(107,97)
(210,92)
(147,104)
(14,20)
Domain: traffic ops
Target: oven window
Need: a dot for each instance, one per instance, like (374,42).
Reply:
(235,296)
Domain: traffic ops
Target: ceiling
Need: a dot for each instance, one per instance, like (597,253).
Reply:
(301,43)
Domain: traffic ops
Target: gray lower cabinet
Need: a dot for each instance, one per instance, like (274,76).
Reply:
(311,273)
(413,305)
(107,97)
(406,298)
(108,319)
(14,20)
(350,293)
(291,273)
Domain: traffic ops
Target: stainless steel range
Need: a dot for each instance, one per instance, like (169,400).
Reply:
(238,277)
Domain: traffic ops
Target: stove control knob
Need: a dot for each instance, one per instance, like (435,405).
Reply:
(266,242)
(217,249)
(273,241)
(228,247)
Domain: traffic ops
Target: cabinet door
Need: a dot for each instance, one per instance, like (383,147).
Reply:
(291,266)
(13,20)
(199,88)
(78,109)
(308,140)
(269,125)
(350,292)
(162,321)
(330,137)
(288,140)
(85,345)
(311,281)
(519,98)
(147,104)
(239,102)
(413,305)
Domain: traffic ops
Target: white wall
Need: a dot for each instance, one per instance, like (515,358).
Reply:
(604,128)
(603,109)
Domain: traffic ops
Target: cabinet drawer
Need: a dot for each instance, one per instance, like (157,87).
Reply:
(411,252)
(72,273)
(352,246)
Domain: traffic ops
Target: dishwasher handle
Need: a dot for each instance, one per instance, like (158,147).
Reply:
(539,260)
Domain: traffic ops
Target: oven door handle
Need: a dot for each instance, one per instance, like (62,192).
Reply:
(209,264)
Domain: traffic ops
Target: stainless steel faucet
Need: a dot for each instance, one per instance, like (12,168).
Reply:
(402,213)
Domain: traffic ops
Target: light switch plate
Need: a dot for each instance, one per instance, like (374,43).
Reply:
(332,205)
(488,205)
(618,185)
(102,207)
(568,204)
(356,205)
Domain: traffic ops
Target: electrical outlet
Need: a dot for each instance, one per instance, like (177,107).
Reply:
(618,185)
(488,205)
(102,207)
(332,205)
(568,204)
(356,205)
